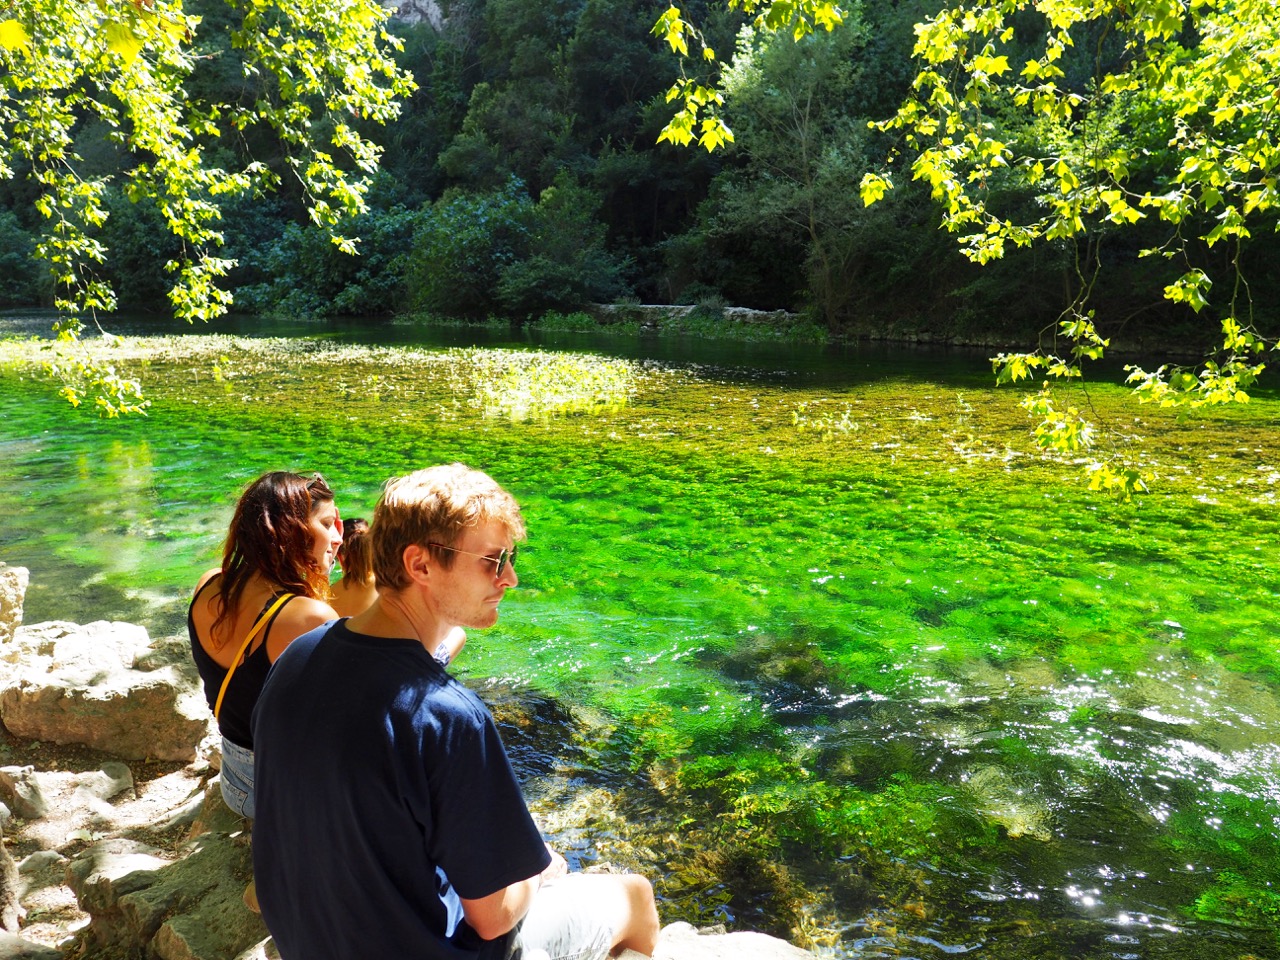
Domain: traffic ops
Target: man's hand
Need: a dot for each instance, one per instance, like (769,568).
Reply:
(557,868)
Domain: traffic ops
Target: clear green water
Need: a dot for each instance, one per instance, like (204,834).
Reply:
(908,691)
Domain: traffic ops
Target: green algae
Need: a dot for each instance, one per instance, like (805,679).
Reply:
(902,636)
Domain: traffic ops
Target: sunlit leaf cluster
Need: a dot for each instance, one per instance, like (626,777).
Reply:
(312,71)
(81,374)
(1205,68)
(698,101)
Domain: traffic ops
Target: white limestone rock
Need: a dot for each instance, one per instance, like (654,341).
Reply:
(682,941)
(416,11)
(110,781)
(13,592)
(68,683)
(22,792)
(13,947)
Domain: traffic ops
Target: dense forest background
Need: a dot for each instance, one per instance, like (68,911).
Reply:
(525,176)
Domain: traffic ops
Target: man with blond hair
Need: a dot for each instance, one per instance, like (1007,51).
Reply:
(390,823)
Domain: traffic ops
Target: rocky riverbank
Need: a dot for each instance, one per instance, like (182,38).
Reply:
(117,844)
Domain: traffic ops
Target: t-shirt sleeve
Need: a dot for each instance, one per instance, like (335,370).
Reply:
(484,837)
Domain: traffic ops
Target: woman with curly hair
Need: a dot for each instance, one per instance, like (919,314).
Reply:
(272,587)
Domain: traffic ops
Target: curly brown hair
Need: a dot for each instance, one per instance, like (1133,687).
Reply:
(271,536)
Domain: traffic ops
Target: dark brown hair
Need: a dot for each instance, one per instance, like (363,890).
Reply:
(354,554)
(271,536)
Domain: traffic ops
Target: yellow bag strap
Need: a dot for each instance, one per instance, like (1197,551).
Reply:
(262,620)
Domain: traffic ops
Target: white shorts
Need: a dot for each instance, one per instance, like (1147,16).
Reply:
(568,920)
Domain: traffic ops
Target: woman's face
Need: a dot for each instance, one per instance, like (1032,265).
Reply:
(326,531)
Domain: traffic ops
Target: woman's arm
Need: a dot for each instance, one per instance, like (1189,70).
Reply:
(451,645)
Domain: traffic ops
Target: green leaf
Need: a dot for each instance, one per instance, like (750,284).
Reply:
(1191,288)
(714,134)
(872,188)
(122,40)
(13,36)
(671,28)
(993,66)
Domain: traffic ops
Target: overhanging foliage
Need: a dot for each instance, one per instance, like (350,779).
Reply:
(312,73)
(1177,118)
(1109,112)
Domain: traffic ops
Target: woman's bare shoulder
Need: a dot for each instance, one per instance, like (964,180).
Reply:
(314,611)
(205,578)
(350,599)
(301,614)
(298,616)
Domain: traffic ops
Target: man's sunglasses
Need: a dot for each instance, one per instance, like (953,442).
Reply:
(502,559)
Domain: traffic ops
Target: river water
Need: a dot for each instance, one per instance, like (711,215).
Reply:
(822,639)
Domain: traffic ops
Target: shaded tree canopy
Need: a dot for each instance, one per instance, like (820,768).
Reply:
(698,116)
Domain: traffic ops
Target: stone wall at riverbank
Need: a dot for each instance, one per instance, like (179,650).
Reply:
(111,808)
(657,317)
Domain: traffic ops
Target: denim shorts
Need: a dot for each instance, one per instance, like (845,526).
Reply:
(568,920)
(237,778)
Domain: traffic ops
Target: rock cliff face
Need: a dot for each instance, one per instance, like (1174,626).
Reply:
(122,860)
(417,11)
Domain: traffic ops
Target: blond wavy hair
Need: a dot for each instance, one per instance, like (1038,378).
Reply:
(436,505)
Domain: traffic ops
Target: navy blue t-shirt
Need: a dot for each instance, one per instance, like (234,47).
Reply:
(383,794)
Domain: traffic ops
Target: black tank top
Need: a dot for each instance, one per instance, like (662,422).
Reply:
(246,682)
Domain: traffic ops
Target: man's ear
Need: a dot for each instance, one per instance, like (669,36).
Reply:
(417,563)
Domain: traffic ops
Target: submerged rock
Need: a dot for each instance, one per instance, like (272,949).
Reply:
(1010,803)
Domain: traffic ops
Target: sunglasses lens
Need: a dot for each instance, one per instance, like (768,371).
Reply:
(505,557)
